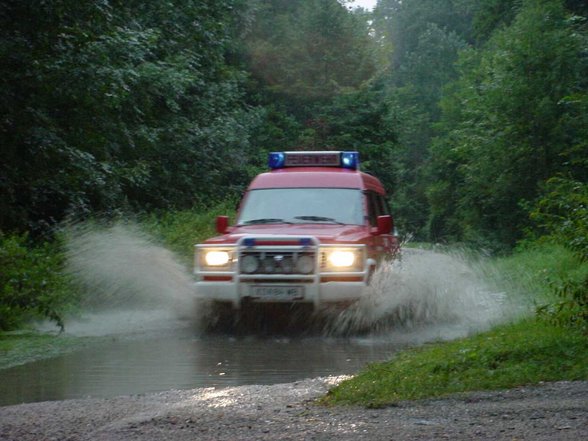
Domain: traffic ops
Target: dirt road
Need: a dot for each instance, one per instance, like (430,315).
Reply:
(555,411)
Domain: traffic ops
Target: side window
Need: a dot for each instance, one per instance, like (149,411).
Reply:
(373,207)
(377,206)
(383,205)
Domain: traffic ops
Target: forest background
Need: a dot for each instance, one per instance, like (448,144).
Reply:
(473,113)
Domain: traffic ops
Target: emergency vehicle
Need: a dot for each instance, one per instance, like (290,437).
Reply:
(310,231)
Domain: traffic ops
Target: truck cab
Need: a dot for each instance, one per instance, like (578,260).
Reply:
(312,231)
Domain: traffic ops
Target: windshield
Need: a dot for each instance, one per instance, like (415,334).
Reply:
(303,205)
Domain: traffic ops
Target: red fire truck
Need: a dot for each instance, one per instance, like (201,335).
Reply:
(310,231)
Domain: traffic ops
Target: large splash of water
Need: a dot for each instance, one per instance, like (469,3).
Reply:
(430,295)
(132,284)
(129,283)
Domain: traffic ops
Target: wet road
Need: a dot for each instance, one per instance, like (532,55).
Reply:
(123,365)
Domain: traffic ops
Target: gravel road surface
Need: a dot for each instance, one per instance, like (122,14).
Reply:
(552,411)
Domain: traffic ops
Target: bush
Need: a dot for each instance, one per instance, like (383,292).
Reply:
(32,284)
(572,306)
(561,216)
(535,268)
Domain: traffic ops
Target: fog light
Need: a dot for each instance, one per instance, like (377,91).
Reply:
(249,264)
(305,264)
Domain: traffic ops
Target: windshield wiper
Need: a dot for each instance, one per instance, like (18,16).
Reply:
(318,219)
(268,220)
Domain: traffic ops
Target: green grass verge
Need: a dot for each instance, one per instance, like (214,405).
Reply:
(534,270)
(527,352)
(22,347)
(511,355)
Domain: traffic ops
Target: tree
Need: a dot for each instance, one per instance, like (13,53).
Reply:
(520,120)
(304,57)
(111,104)
(403,22)
(425,38)
(309,50)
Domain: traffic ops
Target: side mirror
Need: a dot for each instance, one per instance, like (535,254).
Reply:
(385,224)
(222,224)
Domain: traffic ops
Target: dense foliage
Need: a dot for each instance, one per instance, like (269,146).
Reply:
(514,118)
(32,284)
(116,104)
(561,217)
(473,113)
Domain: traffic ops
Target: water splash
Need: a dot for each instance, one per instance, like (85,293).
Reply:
(430,296)
(129,283)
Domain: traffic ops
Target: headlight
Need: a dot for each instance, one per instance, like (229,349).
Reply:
(214,259)
(217,258)
(340,259)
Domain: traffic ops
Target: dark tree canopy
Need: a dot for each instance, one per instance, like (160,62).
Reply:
(464,108)
(111,104)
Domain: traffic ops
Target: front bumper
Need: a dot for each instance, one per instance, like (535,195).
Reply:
(319,295)
(320,288)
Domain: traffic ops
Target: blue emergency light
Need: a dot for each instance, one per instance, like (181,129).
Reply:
(348,160)
(276,160)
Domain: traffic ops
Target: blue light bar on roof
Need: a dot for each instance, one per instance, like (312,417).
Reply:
(349,160)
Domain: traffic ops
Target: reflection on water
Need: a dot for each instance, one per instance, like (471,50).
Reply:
(133,366)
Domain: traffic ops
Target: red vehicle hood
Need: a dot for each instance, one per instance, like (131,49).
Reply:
(325,233)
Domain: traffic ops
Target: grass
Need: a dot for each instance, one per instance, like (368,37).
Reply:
(524,353)
(17,348)
(531,351)
(534,270)
(181,230)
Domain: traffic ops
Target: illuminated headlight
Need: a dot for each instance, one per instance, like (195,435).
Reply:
(216,258)
(341,259)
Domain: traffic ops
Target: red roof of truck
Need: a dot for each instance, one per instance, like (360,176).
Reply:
(316,177)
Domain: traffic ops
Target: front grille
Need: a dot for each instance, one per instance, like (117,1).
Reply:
(323,261)
(253,262)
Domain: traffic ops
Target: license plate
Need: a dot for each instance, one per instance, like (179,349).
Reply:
(277,293)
